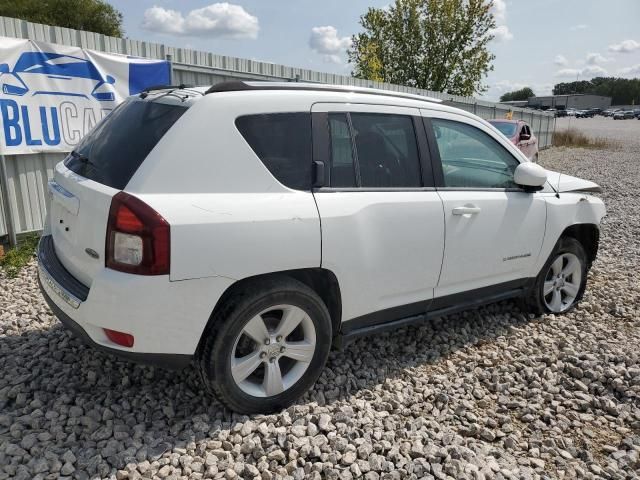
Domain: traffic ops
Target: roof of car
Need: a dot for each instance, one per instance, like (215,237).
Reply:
(238,86)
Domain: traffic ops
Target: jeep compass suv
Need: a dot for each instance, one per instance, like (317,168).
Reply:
(249,226)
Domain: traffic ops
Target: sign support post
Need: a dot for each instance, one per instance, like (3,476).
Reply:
(8,213)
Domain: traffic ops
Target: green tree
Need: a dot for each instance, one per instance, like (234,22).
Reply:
(90,15)
(522,94)
(439,45)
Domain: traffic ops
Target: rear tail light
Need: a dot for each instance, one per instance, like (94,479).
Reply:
(137,237)
(119,338)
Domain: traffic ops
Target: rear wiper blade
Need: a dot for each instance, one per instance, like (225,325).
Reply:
(80,156)
(83,158)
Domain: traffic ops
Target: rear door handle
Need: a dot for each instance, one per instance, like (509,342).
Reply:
(470,210)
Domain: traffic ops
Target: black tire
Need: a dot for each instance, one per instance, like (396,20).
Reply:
(214,356)
(535,299)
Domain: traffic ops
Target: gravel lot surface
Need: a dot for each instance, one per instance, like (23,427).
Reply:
(490,393)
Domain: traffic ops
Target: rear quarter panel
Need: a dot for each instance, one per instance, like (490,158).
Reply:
(229,216)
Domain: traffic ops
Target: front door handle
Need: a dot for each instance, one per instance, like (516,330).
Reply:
(466,210)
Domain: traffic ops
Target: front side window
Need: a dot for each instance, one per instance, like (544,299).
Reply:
(282,141)
(471,158)
(372,150)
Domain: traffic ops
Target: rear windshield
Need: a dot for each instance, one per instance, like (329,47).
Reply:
(112,152)
(506,128)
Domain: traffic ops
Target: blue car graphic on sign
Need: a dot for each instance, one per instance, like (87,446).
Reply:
(41,73)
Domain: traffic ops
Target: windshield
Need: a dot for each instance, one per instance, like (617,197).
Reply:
(112,152)
(506,128)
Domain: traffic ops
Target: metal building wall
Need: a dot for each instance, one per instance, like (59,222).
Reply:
(28,174)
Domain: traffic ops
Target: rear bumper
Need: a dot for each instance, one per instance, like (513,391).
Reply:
(162,360)
(166,318)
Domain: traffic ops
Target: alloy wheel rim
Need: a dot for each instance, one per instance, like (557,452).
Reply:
(273,351)
(562,282)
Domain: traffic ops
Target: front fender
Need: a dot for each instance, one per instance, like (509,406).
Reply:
(570,209)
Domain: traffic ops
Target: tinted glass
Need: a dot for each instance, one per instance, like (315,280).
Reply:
(387,151)
(471,158)
(283,142)
(342,166)
(506,128)
(112,152)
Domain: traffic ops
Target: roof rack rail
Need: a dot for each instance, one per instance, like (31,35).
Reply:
(239,86)
(152,88)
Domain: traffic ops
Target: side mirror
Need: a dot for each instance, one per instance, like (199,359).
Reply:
(531,176)
(4,68)
(525,136)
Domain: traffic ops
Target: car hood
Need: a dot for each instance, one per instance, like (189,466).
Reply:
(566,183)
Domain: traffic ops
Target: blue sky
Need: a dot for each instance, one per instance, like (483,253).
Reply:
(538,43)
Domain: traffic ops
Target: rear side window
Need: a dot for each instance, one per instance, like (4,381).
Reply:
(112,152)
(282,141)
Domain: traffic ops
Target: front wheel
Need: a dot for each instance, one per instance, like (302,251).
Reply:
(266,346)
(561,282)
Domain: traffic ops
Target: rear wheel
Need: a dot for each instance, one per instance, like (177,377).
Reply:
(266,347)
(561,282)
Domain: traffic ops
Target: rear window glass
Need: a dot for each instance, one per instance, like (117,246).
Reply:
(282,141)
(506,128)
(112,152)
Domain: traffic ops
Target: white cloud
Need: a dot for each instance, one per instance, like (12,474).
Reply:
(560,60)
(325,41)
(501,32)
(593,71)
(631,71)
(215,20)
(596,58)
(499,10)
(626,46)
(581,26)
(568,72)
(584,73)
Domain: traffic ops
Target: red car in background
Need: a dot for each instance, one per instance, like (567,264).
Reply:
(520,134)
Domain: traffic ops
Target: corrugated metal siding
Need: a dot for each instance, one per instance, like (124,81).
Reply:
(28,174)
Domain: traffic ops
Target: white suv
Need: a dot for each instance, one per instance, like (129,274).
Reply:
(251,225)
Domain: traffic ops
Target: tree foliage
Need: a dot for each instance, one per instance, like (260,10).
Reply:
(623,91)
(90,15)
(522,94)
(439,45)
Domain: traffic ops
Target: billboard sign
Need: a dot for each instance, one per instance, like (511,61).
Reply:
(52,95)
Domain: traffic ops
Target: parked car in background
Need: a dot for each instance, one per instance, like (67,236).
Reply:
(636,112)
(298,217)
(520,134)
(595,111)
(584,114)
(610,111)
(571,112)
(623,115)
(561,113)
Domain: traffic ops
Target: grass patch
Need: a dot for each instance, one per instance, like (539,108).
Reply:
(16,258)
(575,138)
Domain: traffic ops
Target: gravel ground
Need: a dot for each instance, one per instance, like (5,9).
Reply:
(490,393)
